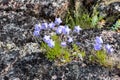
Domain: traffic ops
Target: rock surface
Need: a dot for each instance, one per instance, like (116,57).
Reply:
(21,57)
(35,67)
(41,8)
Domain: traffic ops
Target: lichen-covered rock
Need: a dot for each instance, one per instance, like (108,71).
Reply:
(110,7)
(42,8)
(18,17)
(20,55)
(35,67)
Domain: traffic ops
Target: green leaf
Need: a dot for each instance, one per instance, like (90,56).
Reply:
(94,20)
(116,26)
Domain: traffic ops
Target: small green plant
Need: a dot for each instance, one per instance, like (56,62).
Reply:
(57,52)
(62,54)
(116,26)
(78,52)
(96,17)
(98,56)
(80,16)
(102,58)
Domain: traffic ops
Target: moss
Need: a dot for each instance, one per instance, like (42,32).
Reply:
(101,58)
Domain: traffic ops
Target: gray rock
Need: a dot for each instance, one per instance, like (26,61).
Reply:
(43,8)
(20,51)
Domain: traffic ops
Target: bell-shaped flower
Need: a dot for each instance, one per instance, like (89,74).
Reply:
(63,44)
(97,46)
(66,30)
(70,39)
(44,25)
(58,21)
(51,43)
(109,48)
(46,38)
(37,27)
(78,43)
(98,40)
(77,29)
(59,30)
(51,25)
(36,33)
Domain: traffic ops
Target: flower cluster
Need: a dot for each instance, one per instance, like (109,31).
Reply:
(58,29)
(57,46)
(65,30)
(98,45)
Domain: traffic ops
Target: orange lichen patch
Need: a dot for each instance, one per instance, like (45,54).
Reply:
(118,30)
(102,22)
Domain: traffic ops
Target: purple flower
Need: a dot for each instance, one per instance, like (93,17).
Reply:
(97,46)
(63,44)
(109,48)
(59,29)
(77,29)
(78,43)
(51,25)
(37,27)
(36,33)
(66,30)
(51,43)
(46,39)
(98,40)
(58,21)
(70,39)
(44,26)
